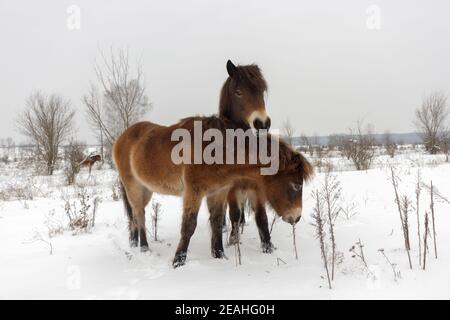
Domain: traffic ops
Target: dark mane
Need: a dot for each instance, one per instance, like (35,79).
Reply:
(249,76)
(289,159)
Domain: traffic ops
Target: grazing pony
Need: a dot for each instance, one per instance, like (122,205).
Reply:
(143,157)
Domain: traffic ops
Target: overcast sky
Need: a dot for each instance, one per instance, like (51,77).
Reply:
(326,62)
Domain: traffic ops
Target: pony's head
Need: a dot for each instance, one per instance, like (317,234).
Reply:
(284,190)
(242,97)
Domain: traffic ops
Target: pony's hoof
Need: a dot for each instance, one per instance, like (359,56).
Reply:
(179,260)
(219,254)
(267,247)
(133,244)
(145,249)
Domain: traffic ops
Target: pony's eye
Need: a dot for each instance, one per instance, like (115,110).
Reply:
(296,186)
(238,93)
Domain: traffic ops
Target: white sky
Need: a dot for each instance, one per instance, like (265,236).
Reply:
(325,68)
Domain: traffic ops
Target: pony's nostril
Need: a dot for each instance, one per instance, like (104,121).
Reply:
(257,124)
(267,124)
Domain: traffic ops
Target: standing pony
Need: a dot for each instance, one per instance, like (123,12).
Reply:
(245,83)
(90,161)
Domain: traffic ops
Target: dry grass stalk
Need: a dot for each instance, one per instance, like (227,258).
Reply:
(319,223)
(403,215)
(418,191)
(432,218)
(396,273)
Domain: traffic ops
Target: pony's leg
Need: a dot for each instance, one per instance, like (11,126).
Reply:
(191,205)
(138,197)
(262,223)
(263,228)
(235,200)
(217,209)
(132,226)
(147,195)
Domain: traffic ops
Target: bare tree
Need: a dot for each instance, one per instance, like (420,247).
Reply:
(46,121)
(121,99)
(288,132)
(359,146)
(430,120)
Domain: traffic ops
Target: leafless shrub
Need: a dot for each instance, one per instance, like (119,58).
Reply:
(46,121)
(389,144)
(359,146)
(319,224)
(430,120)
(156,215)
(18,191)
(82,211)
(403,206)
(397,274)
(73,155)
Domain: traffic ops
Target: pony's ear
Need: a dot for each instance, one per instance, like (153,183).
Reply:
(231,68)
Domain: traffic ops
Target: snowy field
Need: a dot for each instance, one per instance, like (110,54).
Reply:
(98,264)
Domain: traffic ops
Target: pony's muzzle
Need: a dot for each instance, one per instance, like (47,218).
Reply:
(261,124)
(259,120)
(292,217)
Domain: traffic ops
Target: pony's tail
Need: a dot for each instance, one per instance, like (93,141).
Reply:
(126,203)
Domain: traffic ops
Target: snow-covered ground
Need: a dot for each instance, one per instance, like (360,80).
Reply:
(99,264)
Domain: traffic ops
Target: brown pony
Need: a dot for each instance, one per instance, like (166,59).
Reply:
(142,155)
(250,78)
(90,161)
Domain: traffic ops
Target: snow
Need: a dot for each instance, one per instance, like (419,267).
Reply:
(100,265)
